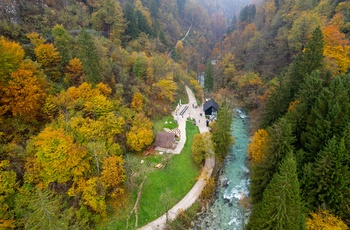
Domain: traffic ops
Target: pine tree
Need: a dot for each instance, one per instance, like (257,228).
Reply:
(44,212)
(311,59)
(222,138)
(307,184)
(88,55)
(63,43)
(281,139)
(332,178)
(277,104)
(281,206)
(209,78)
(328,117)
(131,30)
(307,96)
(142,23)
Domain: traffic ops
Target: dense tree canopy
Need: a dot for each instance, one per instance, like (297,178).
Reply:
(81,83)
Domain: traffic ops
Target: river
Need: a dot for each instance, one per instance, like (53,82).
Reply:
(226,212)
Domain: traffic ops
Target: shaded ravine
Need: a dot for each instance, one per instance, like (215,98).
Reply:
(226,211)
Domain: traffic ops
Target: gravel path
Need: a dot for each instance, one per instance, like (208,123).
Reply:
(197,189)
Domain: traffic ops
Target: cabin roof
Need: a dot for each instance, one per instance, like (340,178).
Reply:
(210,103)
(164,139)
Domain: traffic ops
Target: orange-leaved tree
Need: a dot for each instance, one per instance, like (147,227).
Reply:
(23,95)
(336,50)
(74,72)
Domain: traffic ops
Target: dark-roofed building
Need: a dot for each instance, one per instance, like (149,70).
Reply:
(210,107)
(165,140)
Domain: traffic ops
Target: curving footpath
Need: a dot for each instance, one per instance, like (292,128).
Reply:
(197,189)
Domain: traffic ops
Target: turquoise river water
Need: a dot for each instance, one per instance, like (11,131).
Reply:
(226,212)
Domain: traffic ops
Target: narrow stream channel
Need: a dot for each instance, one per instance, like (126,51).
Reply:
(226,211)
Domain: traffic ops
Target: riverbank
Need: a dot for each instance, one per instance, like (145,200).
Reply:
(228,209)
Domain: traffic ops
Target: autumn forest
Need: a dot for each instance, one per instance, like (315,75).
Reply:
(83,83)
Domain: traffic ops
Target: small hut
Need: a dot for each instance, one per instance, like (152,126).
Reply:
(211,108)
(165,140)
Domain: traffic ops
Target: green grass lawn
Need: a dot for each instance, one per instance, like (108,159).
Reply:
(163,188)
(164,122)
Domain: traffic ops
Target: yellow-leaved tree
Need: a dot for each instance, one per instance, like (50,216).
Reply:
(258,146)
(137,102)
(166,88)
(322,219)
(93,194)
(55,158)
(113,175)
(77,97)
(140,134)
(198,90)
(11,55)
(336,50)
(98,106)
(35,38)
(201,147)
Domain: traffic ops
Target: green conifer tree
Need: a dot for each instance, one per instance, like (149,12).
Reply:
(328,116)
(45,212)
(209,78)
(307,96)
(281,206)
(276,105)
(307,184)
(132,30)
(222,138)
(311,59)
(63,43)
(332,178)
(281,142)
(142,23)
(88,55)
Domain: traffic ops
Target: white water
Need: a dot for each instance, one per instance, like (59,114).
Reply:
(226,211)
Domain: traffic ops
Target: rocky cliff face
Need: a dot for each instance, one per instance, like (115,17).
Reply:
(13,10)
(9,10)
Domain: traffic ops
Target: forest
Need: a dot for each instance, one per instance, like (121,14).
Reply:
(82,84)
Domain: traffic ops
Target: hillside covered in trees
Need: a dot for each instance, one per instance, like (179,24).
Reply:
(288,63)
(81,83)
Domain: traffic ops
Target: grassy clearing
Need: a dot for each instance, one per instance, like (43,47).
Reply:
(163,188)
(164,122)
